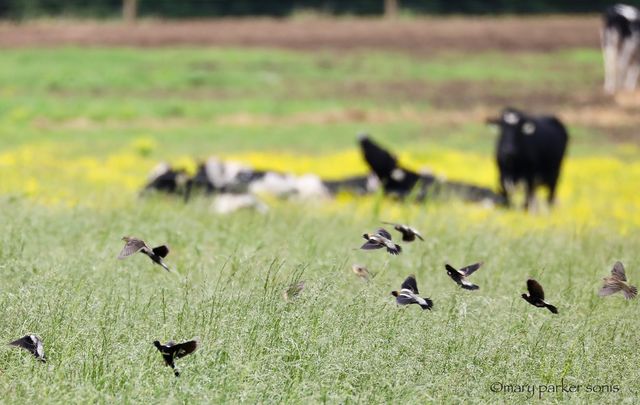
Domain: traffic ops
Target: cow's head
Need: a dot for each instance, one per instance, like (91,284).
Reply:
(514,127)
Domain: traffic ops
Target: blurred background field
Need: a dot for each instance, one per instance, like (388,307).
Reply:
(88,108)
(81,126)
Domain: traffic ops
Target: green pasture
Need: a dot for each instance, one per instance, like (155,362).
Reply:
(342,340)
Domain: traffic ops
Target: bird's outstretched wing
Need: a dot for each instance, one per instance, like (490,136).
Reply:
(452,270)
(468,270)
(410,284)
(609,289)
(535,289)
(371,246)
(186,348)
(384,233)
(26,343)
(618,271)
(132,246)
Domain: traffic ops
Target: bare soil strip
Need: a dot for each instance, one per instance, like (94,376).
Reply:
(420,35)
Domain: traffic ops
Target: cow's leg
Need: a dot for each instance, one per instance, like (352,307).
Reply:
(629,47)
(633,68)
(504,184)
(610,45)
(530,194)
(552,182)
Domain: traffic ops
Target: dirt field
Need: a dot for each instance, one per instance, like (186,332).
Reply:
(414,35)
(419,36)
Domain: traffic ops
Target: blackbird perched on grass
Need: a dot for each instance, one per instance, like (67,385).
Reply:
(381,238)
(134,245)
(616,282)
(408,294)
(33,344)
(460,276)
(536,296)
(171,351)
(409,234)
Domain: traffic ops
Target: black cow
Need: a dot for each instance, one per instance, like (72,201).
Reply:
(395,180)
(400,182)
(620,37)
(530,149)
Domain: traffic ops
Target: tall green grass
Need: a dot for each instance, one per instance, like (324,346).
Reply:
(342,340)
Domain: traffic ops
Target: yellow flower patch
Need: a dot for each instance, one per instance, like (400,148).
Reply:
(593,191)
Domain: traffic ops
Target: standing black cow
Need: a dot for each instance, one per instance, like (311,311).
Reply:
(530,149)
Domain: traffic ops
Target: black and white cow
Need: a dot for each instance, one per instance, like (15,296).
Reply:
(529,149)
(620,37)
(166,179)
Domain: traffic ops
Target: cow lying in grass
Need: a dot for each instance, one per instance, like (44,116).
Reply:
(220,177)
(401,182)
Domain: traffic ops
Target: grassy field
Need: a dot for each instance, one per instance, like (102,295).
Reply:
(81,128)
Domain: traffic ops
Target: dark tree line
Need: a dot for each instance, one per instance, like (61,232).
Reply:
(19,9)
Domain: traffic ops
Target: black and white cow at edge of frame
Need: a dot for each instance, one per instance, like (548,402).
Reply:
(620,38)
(530,149)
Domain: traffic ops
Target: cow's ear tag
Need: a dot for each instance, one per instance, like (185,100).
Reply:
(528,128)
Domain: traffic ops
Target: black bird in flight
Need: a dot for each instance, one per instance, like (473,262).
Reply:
(33,344)
(536,296)
(409,234)
(460,276)
(616,282)
(408,294)
(171,351)
(134,245)
(381,238)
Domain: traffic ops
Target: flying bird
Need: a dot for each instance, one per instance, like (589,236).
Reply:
(134,245)
(172,350)
(616,282)
(361,272)
(292,291)
(460,276)
(536,296)
(33,344)
(409,234)
(381,238)
(408,294)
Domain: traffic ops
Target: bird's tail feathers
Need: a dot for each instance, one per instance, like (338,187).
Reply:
(396,250)
(631,292)
(428,304)
(164,266)
(552,308)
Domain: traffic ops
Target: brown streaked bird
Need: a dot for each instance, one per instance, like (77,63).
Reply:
(134,245)
(460,276)
(616,282)
(408,294)
(33,344)
(409,234)
(381,238)
(172,350)
(361,272)
(293,291)
(536,296)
